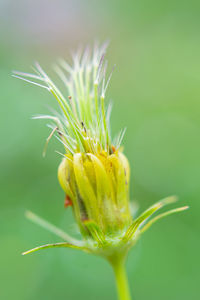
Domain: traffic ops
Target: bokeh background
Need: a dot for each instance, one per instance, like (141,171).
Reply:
(156,94)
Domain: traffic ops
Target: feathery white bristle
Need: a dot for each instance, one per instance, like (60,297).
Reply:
(85,81)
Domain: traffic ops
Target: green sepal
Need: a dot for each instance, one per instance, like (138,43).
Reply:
(96,233)
(163,215)
(55,245)
(146,215)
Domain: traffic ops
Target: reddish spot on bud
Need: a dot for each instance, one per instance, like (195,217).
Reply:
(113,149)
(68,201)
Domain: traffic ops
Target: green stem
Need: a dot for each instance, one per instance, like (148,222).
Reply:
(121,279)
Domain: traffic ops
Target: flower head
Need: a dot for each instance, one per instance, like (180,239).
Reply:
(94,173)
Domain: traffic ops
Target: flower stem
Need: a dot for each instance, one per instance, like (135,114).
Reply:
(121,280)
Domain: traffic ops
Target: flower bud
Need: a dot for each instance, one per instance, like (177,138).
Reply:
(98,186)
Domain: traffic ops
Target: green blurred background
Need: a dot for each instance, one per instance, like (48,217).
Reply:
(156,94)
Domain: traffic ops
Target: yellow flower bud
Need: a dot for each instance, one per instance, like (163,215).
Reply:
(98,186)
